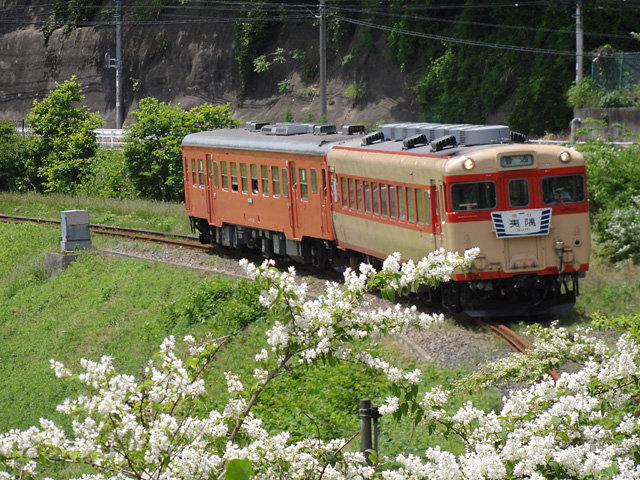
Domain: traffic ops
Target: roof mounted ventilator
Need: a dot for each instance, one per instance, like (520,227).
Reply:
(411,142)
(444,142)
(373,138)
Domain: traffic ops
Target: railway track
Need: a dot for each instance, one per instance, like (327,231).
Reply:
(514,340)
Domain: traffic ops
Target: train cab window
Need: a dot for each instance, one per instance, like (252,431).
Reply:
(314,181)
(376,200)
(359,195)
(563,189)
(193,171)
(275,179)
(254,179)
(473,196)
(392,202)
(224,175)
(352,195)
(411,206)
(304,186)
(264,177)
(401,205)
(216,181)
(285,183)
(518,192)
(234,176)
(201,171)
(383,201)
(427,208)
(345,194)
(367,198)
(243,178)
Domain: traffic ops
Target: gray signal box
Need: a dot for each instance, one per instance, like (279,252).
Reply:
(75,230)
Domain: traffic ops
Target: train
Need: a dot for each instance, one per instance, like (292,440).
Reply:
(335,197)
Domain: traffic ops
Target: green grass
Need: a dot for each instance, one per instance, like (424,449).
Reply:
(133,213)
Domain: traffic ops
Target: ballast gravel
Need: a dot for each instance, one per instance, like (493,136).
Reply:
(455,344)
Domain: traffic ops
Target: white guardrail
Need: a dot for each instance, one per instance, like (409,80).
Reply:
(109,137)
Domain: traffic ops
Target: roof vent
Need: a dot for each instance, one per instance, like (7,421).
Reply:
(255,126)
(324,129)
(285,129)
(518,137)
(444,142)
(352,129)
(411,142)
(372,138)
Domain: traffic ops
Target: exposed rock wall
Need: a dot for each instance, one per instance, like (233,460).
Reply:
(194,64)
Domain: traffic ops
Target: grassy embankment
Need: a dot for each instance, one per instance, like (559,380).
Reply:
(124,308)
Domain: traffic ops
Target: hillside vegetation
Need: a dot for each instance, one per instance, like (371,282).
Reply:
(464,61)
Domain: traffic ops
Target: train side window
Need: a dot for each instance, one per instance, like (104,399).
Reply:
(383,201)
(427,208)
(224,175)
(216,181)
(375,197)
(254,179)
(359,195)
(285,183)
(314,181)
(304,186)
(419,207)
(345,195)
(392,202)
(264,176)
(352,196)
(201,171)
(243,178)
(186,169)
(518,192)
(411,206)
(401,205)
(193,172)
(563,189)
(275,179)
(234,176)
(473,196)
(367,198)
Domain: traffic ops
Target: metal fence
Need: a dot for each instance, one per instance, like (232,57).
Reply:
(616,71)
(106,137)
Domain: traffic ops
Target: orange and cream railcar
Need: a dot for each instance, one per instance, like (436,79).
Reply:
(412,188)
(263,191)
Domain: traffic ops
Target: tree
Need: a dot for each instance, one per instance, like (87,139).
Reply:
(66,139)
(152,144)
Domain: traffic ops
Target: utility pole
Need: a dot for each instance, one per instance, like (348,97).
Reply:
(119,102)
(323,60)
(579,41)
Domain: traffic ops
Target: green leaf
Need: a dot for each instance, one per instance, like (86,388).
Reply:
(239,470)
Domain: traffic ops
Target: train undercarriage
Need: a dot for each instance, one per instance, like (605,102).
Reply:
(521,295)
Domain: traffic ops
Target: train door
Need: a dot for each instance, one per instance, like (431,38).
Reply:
(209,186)
(292,204)
(325,208)
(435,203)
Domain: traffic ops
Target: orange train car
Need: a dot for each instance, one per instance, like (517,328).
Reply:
(328,198)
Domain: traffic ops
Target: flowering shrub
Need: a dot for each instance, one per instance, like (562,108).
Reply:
(161,426)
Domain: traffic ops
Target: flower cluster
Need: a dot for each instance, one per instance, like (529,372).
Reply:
(582,426)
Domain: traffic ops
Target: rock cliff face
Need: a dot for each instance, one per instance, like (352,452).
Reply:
(193,64)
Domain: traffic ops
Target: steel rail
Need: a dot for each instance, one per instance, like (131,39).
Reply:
(154,236)
(515,341)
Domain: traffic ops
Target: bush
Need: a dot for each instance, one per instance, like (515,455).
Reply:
(152,144)
(66,142)
(585,94)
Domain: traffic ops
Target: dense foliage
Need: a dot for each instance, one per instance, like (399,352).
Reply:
(152,148)
(66,141)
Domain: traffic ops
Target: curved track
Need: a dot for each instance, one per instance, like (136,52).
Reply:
(514,340)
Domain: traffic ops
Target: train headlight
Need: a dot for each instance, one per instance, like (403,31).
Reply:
(564,156)
(468,164)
